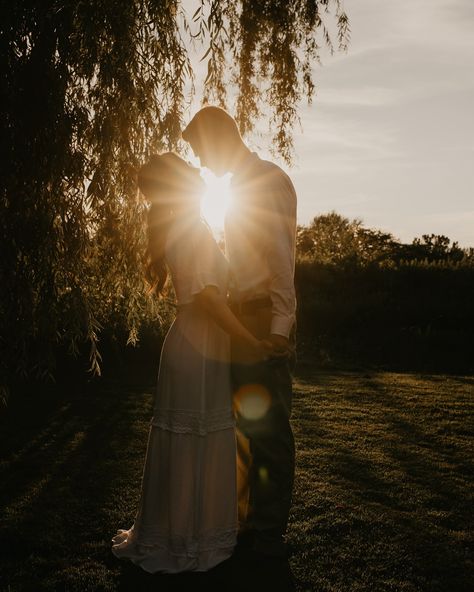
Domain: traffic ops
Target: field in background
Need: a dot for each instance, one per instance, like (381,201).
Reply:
(383,495)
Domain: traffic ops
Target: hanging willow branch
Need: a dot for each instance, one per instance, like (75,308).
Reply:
(88,90)
(273,45)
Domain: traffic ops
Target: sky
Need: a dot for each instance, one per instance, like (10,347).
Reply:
(389,138)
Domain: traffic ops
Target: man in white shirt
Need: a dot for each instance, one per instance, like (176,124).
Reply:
(260,232)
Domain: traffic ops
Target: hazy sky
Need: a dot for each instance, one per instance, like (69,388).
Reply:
(389,137)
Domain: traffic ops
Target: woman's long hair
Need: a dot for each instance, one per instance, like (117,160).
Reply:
(156,272)
(161,180)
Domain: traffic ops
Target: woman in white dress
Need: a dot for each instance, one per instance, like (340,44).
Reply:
(187,514)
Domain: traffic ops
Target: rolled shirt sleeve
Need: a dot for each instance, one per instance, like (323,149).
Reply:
(280,253)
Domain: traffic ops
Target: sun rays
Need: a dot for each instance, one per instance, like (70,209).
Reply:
(216,199)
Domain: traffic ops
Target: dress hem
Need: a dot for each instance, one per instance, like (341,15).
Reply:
(160,557)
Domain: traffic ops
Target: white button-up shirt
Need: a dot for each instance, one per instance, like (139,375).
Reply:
(260,237)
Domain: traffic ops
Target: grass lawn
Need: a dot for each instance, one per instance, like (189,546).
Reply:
(383,496)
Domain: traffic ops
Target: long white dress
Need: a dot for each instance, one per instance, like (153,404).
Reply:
(187,515)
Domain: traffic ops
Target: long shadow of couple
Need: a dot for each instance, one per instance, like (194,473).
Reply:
(235,574)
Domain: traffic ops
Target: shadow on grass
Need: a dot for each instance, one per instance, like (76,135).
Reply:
(383,495)
(70,474)
(392,458)
(232,575)
(69,477)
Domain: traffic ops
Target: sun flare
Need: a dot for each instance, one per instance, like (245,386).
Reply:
(216,199)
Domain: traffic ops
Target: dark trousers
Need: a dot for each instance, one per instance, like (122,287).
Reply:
(263,398)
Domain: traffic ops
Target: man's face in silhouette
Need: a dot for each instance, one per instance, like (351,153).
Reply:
(211,157)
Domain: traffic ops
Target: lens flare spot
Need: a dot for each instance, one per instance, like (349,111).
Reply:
(252,401)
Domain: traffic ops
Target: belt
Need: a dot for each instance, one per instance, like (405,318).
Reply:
(250,307)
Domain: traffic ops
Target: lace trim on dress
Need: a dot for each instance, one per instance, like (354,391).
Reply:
(184,546)
(193,422)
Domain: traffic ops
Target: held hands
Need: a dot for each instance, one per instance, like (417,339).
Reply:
(280,345)
(274,346)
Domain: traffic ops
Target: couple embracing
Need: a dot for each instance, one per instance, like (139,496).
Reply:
(219,465)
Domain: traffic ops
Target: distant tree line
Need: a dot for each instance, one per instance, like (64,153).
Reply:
(336,240)
(366,298)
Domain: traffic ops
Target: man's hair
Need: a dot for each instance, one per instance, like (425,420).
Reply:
(211,124)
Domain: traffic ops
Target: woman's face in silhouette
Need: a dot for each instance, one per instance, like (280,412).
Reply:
(189,188)
(179,184)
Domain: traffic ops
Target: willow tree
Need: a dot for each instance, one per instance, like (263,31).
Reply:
(88,90)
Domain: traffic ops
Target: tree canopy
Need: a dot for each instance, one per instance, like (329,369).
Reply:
(88,90)
(334,240)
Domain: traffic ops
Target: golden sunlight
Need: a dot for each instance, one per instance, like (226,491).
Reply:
(216,199)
